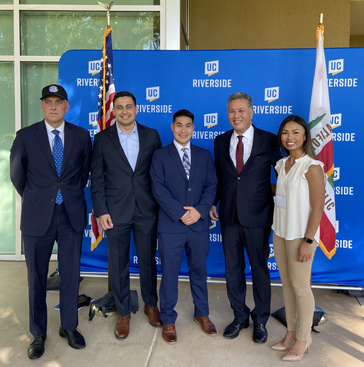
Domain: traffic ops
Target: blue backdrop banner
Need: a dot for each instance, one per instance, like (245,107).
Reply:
(279,82)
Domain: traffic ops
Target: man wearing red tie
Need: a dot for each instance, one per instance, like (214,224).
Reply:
(243,160)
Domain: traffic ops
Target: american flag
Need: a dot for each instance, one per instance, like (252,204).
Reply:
(105,116)
(106,85)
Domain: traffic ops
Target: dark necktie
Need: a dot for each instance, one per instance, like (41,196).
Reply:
(240,154)
(58,159)
(186,162)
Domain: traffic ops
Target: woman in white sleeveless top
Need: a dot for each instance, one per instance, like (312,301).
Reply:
(299,203)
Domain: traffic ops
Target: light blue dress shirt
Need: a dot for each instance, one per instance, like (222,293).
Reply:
(130,145)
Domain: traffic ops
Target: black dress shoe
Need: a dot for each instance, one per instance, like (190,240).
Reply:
(36,347)
(260,333)
(75,338)
(232,330)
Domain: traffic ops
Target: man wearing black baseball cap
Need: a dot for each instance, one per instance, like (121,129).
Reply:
(54,90)
(49,168)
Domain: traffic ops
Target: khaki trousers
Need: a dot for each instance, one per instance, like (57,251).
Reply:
(296,280)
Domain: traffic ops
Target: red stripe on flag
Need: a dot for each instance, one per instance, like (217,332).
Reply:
(327,237)
(327,156)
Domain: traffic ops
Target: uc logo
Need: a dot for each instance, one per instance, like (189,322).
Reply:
(152,93)
(336,66)
(211,67)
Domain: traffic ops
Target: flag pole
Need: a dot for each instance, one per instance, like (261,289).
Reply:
(321,19)
(108,30)
(108,8)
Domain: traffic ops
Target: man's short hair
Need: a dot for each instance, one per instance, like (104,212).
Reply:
(124,94)
(185,113)
(241,95)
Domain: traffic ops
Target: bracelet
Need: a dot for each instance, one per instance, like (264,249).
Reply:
(308,240)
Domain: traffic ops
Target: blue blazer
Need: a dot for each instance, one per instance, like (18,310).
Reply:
(172,190)
(252,186)
(34,176)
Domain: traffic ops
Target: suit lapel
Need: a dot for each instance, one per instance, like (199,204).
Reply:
(194,160)
(69,136)
(143,140)
(43,140)
(226,149)
(177,159)
(113,134)
(257,142)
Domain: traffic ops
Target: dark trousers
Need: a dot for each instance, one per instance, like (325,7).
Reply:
(145,239)
(255,241)
(38,251)
(171,248)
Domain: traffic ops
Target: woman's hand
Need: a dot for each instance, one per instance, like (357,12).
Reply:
(304,252)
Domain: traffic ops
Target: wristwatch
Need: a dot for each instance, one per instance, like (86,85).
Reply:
(308,240)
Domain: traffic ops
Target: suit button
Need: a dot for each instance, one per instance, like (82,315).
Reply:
(53,200)
(189,189)
(238,178)
(59,183)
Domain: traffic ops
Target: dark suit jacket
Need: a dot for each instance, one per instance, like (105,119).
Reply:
(34,175)
(115,187)
(173,191)
(252,187)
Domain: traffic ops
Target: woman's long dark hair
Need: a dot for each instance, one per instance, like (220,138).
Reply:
(307,144)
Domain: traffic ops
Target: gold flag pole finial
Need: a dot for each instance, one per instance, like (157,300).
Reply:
(321,18)
(107,7)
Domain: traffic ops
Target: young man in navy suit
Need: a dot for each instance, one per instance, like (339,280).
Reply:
(123,202)
(184,185)
(243,159)
(49,168)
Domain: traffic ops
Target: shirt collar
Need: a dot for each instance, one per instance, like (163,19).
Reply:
(51,128)
(248,134)
(179,146)
(120,132)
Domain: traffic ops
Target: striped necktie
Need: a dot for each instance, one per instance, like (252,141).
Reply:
(186,162)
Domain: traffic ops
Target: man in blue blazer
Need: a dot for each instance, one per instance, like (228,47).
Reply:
(123,203)
(184,185)
(49,168)
(243,159)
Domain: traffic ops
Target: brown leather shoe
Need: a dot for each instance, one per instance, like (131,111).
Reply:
(206,325)
(122,327)
(153,315)
(169,333)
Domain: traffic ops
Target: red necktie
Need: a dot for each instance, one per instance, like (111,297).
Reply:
(240,154)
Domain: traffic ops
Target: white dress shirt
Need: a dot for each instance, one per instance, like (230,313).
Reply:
(181,152)
(248,138)
(51,136)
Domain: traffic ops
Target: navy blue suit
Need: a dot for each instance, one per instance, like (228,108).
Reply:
(172,191)
(34,176)
(246,215)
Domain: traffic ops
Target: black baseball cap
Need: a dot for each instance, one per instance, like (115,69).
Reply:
(54,90)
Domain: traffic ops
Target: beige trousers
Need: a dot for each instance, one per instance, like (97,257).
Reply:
(298,298)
